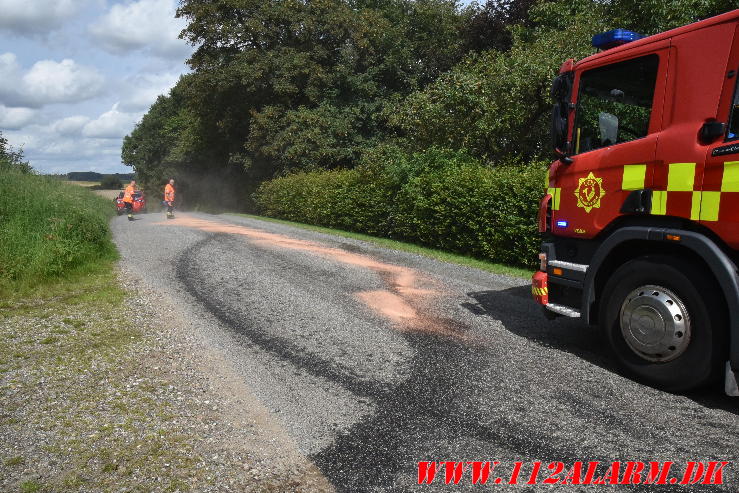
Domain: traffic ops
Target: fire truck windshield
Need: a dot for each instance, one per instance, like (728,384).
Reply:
(733,132)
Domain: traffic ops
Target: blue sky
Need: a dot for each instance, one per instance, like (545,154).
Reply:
(76,75)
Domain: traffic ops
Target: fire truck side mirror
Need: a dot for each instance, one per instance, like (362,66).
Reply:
(711,131)
(559,132)
(562,156)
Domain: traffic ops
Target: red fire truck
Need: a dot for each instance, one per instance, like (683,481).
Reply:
(641,214)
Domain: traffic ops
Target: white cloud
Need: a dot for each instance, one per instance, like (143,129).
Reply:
(26,17)
(66,81)
(49,150)
(10,72)
(75,143)
(15,118)
(111,124)
(47,82)
(142,90)
(71,125)
(146,25)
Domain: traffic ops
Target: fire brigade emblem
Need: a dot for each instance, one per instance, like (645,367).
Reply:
(589,191)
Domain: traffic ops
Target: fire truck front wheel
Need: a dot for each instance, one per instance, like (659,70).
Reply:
(665,323)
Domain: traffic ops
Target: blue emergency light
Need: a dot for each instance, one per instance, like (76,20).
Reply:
(561,224)
(616,37)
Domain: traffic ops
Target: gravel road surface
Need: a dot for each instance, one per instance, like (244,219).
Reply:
(372,360)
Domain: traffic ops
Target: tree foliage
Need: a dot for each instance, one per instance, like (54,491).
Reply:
(489,26)
(284,84)
(279,86)
(495,104)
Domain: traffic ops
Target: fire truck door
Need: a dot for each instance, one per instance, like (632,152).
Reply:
(720,191)
(615,132)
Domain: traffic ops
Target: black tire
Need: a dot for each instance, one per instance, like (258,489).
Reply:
(699,361)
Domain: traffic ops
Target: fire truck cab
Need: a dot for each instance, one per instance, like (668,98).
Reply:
(641,212)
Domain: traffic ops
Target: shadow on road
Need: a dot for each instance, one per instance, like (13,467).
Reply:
(715,398)
(520,315)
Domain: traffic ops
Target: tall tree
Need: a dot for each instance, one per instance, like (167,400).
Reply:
(296,84)
(489,26)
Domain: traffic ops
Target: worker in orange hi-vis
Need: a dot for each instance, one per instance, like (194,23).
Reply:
(128,198)
(169,198)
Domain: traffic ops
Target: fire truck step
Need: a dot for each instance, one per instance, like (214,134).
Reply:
(563,310)
(569,265)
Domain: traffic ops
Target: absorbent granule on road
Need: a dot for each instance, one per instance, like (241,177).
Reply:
(406,293)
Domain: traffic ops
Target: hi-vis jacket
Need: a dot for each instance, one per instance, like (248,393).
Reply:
(128,194)
(169,193)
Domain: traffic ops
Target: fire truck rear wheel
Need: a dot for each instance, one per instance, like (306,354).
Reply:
(665,323)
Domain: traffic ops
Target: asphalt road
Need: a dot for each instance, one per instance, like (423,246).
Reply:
(374,359)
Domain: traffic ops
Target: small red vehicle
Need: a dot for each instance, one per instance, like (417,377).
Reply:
(139,202)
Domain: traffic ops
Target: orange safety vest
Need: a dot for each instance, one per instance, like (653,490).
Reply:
(169,193)
(128,194)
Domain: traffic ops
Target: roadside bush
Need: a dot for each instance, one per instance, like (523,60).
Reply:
(344,199)
(11,158)
(49,229)
(439,198)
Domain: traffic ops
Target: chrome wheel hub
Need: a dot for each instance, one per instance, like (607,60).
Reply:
(655,323)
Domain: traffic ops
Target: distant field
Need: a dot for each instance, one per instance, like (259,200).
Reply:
(108,194)
(83,183)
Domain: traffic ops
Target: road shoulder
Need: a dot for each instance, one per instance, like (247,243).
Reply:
(104,388)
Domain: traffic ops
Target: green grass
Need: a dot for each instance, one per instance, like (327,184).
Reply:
(407,247)
(15,461)
(30,486)
(49,231)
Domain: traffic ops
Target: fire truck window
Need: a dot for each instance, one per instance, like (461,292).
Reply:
(615,103)
(733,132)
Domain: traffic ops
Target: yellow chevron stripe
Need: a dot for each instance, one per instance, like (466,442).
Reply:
(633,177)
(681,177)
(710,204)
(730,180)
(659,202)
(555,193)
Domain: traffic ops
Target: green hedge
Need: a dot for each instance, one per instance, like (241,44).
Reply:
(438,198)
(49,229)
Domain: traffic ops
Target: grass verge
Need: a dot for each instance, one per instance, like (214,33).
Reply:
(407,247)
(49,230)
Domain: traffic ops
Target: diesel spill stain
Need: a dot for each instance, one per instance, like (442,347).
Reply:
(400,303)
